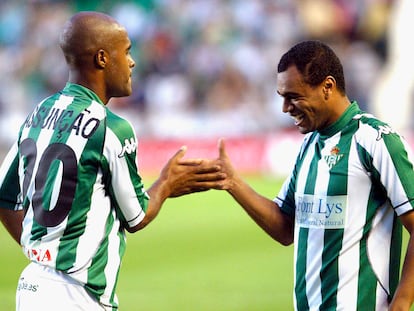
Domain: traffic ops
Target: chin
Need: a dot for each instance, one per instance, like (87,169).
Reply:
(303,130)
(126,92)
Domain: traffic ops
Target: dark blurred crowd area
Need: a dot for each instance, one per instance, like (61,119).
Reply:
(203,67)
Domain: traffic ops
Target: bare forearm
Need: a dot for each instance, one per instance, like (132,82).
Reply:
(263,211)
(158,194)
(404,296)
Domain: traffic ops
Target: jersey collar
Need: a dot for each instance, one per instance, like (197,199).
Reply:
(72,89)
(344,119)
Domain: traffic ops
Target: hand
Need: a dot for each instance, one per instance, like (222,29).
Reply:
(184,176)
(226,167)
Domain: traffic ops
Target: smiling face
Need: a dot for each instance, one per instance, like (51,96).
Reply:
(309,106)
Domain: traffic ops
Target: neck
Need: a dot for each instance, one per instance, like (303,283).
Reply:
(90,81)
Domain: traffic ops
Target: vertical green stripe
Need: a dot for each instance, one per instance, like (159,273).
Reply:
(367,281)
(301,261)
(300,283)
(395,256)
(122,248)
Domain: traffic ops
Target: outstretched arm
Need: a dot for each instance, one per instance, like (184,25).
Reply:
(12,221)
(262,210)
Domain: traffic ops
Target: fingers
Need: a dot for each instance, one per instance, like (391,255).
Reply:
(207,166)
(207,185)
(179,155)
(201,186)
(206,177)
(202,166)
(190,162)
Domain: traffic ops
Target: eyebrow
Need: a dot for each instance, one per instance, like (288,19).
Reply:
(289,94)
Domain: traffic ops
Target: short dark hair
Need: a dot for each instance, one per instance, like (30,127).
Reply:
(315,61)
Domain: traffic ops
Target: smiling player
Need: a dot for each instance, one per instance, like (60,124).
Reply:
(344,202)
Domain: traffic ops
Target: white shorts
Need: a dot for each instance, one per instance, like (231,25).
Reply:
(43,288)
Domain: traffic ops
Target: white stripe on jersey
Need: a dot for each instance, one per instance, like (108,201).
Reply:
(379,237)
(130,206)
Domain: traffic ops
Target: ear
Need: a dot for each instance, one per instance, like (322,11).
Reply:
(328,86)
(101,59)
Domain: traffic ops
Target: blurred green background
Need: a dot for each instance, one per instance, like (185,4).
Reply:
(202,253)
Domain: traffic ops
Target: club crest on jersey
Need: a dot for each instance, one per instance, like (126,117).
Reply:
(333,157)
(130,145)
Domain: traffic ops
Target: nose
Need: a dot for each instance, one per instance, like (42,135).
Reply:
(287,105)
(131,62)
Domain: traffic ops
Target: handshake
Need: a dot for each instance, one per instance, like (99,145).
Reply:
(184,176)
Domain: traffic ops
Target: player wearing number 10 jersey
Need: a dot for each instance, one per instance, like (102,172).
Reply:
(73,174)
(75,151)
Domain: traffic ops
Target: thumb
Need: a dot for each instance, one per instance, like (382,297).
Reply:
(222,149)
(180,153)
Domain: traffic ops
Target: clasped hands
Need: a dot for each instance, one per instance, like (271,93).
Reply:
(185,176)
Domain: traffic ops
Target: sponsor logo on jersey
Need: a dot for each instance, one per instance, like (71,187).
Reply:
(38,254)
(333,157)
(130,145)
(325,212)
(384,130)
(23,285)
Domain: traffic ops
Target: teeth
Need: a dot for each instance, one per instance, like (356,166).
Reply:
(297,118)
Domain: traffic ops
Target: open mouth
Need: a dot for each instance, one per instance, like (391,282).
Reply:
(298,118)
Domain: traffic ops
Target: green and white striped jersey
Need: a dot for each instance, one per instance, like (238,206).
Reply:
(349,183)
(73,170)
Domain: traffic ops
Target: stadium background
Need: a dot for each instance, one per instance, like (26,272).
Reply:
(206,69)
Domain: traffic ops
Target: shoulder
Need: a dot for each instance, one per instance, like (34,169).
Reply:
(372,127)
(120,135)
(373,133)
(369,120)
(119,125)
